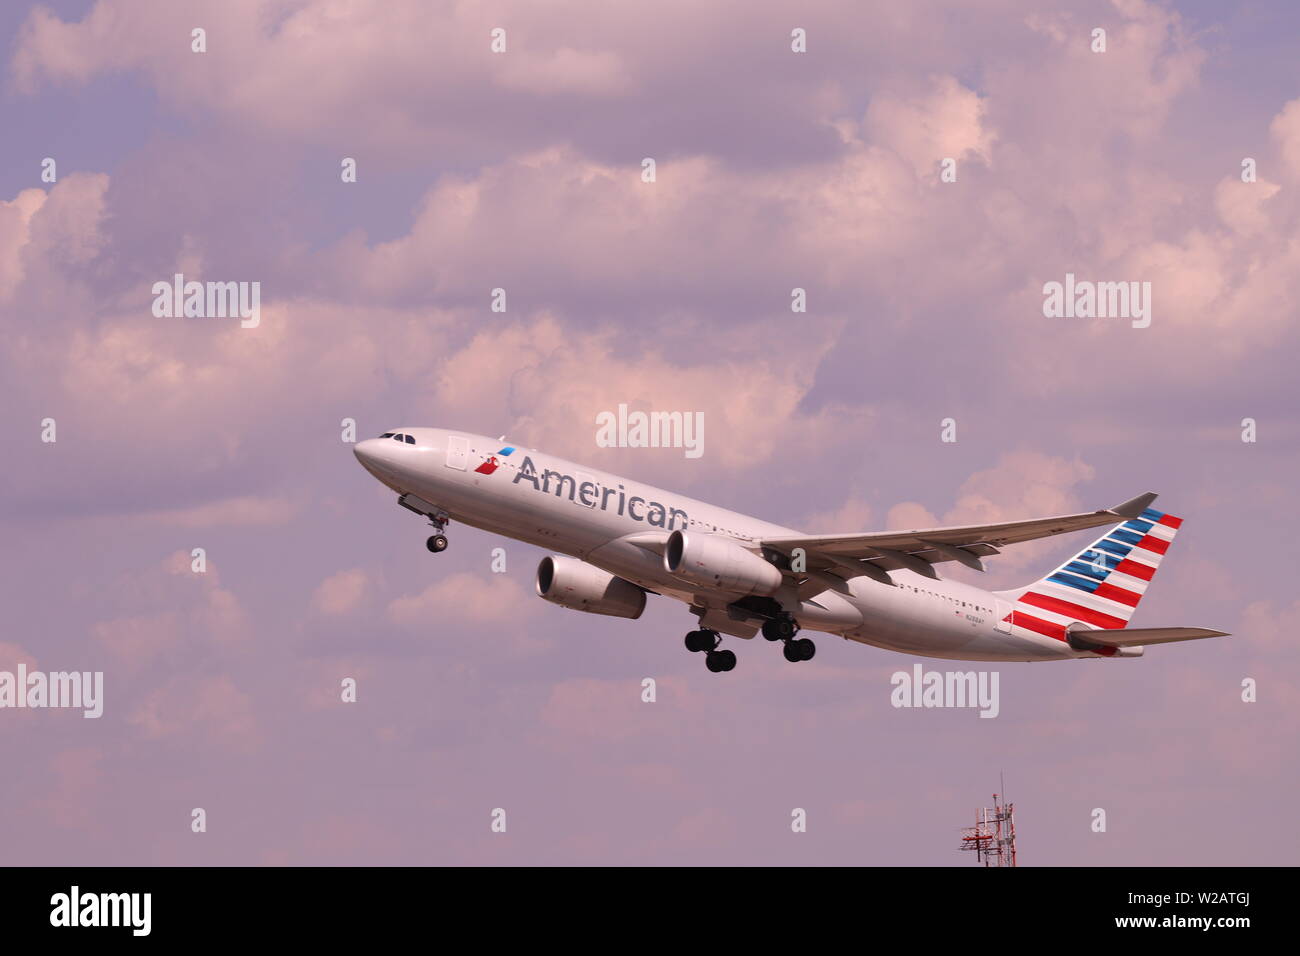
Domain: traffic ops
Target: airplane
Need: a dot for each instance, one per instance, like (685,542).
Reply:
(616,540)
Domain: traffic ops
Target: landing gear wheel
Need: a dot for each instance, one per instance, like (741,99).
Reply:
(781,628)
(702,640)
(719,661)
(436,543)
(799,650)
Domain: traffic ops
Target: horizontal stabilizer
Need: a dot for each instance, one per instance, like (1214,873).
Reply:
(1141,636)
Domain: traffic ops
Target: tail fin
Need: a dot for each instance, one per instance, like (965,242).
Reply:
(1101,585)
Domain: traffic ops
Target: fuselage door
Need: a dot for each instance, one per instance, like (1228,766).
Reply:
(457,452)
(1003,610)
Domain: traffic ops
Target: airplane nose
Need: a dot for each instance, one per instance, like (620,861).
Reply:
(367,451)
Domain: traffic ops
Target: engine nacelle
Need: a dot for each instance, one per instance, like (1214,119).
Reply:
(710,561)
(580,586)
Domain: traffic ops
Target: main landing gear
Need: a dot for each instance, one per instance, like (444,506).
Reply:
(784,628)
(707,640)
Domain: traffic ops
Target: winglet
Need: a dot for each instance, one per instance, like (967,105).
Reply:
(1134,507)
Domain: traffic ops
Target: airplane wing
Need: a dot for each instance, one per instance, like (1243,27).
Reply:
(878,552)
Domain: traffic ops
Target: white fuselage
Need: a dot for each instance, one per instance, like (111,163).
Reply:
(598,517)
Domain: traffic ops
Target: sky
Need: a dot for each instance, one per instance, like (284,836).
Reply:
(522,170)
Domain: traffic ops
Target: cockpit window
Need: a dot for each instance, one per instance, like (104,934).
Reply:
(410,439)
(386,435)
(397,438)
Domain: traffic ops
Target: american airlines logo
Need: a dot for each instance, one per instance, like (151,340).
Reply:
(591,495)
(491,464)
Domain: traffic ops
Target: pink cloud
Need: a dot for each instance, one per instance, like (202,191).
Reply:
(1285,129)
(239,511)
(189,607)
(497,602)
(946,121)
(749,400)
(15,232)
(206,711)
(343,592)
(1022,484)
(77,774)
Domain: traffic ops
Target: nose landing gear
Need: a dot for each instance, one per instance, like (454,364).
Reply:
(439,519)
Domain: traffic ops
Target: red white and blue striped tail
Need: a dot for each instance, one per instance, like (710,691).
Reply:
(1101,585)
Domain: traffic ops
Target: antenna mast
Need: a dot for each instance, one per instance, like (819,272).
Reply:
(993,837)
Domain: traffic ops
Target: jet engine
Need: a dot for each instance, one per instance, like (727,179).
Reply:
(580,586)
(714,562)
